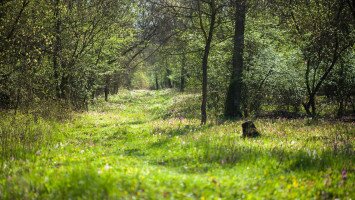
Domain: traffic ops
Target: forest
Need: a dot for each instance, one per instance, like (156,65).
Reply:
(177,99)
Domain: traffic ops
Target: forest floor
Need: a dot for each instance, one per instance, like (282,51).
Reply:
(145,145)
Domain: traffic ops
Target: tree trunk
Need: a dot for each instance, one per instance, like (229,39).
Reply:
(341,95)
(205,62)
(234,93)
(310,106)
(352,104)
(341,108)
(57,48)
(64,81)
(182,73)
(156,81)
(18,99)
(128,76)
(169,84)
(351,4)
(107,87)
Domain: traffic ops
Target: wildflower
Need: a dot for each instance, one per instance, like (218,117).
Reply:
(309,153)
(344,174)
(295,183)
(314,154)
(107,167)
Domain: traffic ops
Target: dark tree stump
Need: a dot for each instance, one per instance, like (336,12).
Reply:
(249,130)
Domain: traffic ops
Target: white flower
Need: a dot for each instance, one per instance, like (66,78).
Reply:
(314,154)
(107,167)
(309,152)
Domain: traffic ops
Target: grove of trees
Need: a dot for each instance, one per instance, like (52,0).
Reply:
(245,57)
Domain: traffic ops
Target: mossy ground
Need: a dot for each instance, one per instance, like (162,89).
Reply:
(148,145)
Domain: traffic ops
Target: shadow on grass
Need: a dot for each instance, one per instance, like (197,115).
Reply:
(160,143)
(134,152)
(283,114)
(181,130)
(140,122)
(223,157)
(228,151)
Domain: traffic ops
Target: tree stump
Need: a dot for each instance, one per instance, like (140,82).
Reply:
(249,130)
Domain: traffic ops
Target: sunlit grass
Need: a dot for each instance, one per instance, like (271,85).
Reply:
(150,145)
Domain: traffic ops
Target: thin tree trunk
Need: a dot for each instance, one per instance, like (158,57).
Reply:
(234,93)
(183,73)
(128,78)
(351,4)
(17,19)
(18,99)
(57,48)
(156,81)
(312,89)
(341,108)
(205,62)
(341,94)
(169,84)
(107,87)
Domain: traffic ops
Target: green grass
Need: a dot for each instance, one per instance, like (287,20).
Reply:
(149,145)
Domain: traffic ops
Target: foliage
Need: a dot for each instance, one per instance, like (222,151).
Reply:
(60,50)
(60,57)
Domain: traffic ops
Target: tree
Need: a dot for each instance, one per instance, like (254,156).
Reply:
(208,36)
(234,93)
(325,32)
(56,50)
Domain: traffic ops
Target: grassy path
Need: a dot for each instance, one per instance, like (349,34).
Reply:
(133,148)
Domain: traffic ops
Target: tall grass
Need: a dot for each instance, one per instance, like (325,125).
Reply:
(22,134)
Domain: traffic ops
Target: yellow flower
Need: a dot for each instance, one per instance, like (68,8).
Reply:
(295,183)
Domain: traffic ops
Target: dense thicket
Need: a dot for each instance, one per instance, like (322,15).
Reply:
(247,57)
(63,51)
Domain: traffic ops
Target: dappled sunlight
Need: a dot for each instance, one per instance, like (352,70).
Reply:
(133,148)
(177,99)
